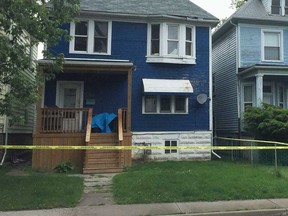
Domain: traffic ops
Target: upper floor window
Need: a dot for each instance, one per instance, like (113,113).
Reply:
(91,37)
(279,7)
(171,43)
(272,45)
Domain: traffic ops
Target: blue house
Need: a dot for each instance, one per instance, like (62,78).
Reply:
(250,62)
(147,62)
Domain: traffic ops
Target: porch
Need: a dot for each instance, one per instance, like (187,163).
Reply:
(53,129)
(64,119)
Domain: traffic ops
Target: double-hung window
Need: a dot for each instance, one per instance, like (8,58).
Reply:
(279,7)
(171,43)
(272,45)
(248,96)
(91,37)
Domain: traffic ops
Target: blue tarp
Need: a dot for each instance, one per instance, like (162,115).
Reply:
(102,121)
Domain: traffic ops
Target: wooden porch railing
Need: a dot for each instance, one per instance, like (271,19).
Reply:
(62,120)
(88,127)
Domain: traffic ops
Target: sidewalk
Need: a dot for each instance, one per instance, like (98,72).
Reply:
(191,208)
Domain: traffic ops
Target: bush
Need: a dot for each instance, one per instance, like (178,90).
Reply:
(268,123)
(64,167)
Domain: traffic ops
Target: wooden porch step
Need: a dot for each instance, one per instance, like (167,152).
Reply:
(103,160)
(102,156)
(100,171)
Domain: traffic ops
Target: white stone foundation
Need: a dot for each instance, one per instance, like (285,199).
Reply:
(189,138)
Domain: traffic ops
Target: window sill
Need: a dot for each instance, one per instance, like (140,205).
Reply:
(88,53)
(170,60)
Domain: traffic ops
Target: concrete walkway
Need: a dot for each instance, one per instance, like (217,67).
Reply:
(271,206)
(97,201)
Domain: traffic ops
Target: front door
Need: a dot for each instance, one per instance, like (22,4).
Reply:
(70,96)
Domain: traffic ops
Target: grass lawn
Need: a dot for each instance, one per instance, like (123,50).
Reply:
(38,190)
(157,182)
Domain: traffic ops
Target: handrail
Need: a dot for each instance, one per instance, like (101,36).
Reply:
(88,127)
(120,125)
(62,120)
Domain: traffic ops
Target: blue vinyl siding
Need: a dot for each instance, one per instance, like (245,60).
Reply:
(129,42)
(108,91)
(250,45)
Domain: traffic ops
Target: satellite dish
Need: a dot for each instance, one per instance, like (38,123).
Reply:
(202,98)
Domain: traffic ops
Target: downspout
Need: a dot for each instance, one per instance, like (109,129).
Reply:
(211,92)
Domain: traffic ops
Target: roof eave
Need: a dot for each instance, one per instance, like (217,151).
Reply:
(210,22)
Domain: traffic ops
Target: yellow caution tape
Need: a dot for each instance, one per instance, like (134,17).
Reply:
(252,140)
(251,147)
(35,147)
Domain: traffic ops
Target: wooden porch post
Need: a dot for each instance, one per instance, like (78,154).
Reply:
(129,99)
(259,90)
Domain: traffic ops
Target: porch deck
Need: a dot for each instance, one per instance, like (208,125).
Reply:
(72,127)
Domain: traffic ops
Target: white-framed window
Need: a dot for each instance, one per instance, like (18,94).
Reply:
(171,43)
(91,37)
(279,7)
(248,91)
(281,97)
(165,104)
(272,45)
(268,93)
(171,143)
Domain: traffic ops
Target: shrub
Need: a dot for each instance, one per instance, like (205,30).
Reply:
(64,167)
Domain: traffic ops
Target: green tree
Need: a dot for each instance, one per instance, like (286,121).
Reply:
(24,24)
(238,3)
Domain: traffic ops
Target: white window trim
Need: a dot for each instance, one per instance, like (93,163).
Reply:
(163,57)
(280,85)
(173,112)
(282,5)
(242,95)
(90,42)
(281,45)
(67,83)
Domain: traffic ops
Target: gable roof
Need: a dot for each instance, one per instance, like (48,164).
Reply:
(177,8)
(253,11)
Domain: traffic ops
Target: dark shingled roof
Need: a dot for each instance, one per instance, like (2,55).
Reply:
(252,11)
(181,8)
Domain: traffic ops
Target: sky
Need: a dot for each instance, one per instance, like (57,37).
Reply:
(219,8)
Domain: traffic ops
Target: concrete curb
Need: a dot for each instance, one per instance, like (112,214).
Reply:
(243,207)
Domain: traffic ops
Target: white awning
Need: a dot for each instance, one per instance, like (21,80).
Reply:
(165,86)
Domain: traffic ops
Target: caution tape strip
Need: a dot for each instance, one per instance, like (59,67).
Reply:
(34,147)
(251,147)
(252,140)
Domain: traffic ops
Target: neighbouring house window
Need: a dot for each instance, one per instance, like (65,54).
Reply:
(170,143)
(272,45)
(281,96)
(171,43)
(248,96)
(276,7)
(155,39)
(267,94)
(159,104)
(279,7)
(91,37)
